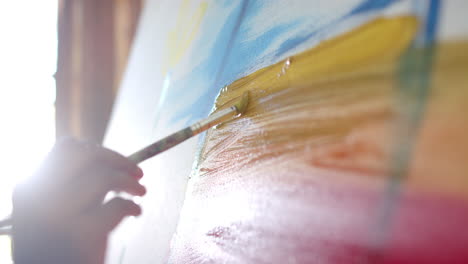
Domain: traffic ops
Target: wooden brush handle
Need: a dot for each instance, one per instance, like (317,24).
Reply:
(161,145)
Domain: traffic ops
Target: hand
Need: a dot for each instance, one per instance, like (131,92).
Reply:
(59,215)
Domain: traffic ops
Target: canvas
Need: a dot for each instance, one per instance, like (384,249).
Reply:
(324,166)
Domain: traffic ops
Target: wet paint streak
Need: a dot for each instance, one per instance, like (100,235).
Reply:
(349,124)
(364,7)
(231,58)
(371,43)
(299,178)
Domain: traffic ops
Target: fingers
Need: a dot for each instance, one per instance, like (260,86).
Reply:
(106,180)
(112,213)
(122,182)
(89,191)
(71,157)
(77,176)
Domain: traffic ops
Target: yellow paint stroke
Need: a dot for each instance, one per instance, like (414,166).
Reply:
(334,108)
(180,39)
(380,40)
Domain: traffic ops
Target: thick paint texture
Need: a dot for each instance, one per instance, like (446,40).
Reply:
(300,177)
(345,55)
(318,96)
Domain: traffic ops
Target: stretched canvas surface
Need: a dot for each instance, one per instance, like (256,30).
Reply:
(350,149)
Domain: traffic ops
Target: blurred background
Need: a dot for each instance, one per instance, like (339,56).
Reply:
(60,66)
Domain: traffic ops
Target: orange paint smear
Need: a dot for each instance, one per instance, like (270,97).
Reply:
(334,107)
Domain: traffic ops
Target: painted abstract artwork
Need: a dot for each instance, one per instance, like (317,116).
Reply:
(352,148)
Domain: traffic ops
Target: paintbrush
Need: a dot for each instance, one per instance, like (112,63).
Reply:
(178,137)
(172,140)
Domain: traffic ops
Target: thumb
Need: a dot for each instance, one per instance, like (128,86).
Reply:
(114,211)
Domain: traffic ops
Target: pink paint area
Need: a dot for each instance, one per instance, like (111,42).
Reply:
(293,216)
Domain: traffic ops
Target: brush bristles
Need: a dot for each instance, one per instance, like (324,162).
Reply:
(241,106)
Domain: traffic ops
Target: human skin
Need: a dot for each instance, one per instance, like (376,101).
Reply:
(60,216)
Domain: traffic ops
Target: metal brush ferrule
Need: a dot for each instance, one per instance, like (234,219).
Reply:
(213,120)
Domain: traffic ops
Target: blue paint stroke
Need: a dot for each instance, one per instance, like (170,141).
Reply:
(205,77)
(364,7)
(235,66)
(414,75)
(232,53)
(432,21)
(371,5)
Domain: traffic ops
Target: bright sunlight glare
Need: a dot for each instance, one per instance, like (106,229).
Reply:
(28,55)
